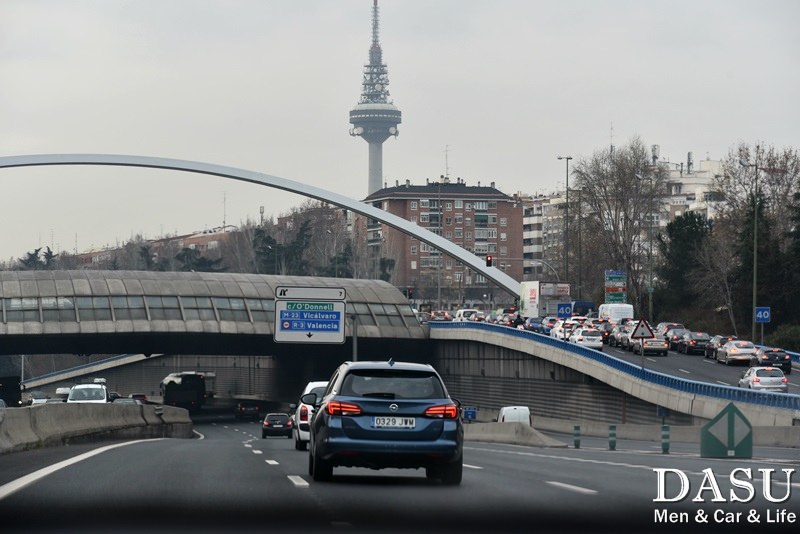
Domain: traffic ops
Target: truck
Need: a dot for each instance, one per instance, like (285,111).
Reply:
(539,299)
(615,313)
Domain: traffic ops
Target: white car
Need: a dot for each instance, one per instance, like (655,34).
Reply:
(301,418)
(587,337)
(88,393)
(562,328)
(464,314)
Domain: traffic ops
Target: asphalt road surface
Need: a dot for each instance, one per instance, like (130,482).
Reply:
(229,479)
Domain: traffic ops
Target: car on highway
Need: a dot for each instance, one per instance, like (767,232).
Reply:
(301,418)
(587,337)
(663,328)
(463,314)
(772,357)
(88,393)
(764,379)
(515,414)
(736,350)
(440,315)
(650,345)
(614,336)
(715,343)
(384,414)
(531,324)
(605,330)
(276,424)
(248,410)
(673,336)
(624,340)
(478,317)
(693,342)
(562,329)
(546,324)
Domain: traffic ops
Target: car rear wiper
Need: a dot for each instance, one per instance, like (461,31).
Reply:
(381,394)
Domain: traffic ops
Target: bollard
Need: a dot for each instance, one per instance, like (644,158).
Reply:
(664,439)
(612,437)
(577,436)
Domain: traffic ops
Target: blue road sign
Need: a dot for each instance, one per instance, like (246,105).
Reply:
(470,413)
(564,310)
(763,314)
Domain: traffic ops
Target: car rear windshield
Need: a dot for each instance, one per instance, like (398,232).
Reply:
(769,372)
(744,345)
(278,418)
(392,384)
(700,335)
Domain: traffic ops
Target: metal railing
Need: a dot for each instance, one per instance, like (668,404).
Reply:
(776,400)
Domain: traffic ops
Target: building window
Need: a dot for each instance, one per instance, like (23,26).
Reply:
(20,310)
(198,309)
(459,233)
(413,250)
(59,309)
(468,235)
(502,236)
(262,310)
(231,309)
(424,217)
(424,203)
(492,204)
(468,221)
(413,205)
(128,308)
(94,308)
(459,204)
(448,206)
(414,219)
(459,219)
(448,265)
(503,221)
(504,250)
(448,235)
(161,308)
(448,221)
(481,205)
(468,207)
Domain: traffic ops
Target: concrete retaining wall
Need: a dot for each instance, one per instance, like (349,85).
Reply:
(60,424)
(513,433)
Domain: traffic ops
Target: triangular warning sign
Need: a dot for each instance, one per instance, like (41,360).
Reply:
(642,331)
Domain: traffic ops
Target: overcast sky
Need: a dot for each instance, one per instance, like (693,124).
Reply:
(267,86)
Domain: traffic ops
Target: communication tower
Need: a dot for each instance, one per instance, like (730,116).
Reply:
(375,118)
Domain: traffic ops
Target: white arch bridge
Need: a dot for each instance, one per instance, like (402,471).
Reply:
(494,274)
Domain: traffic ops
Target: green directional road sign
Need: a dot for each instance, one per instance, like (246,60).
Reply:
(728,435)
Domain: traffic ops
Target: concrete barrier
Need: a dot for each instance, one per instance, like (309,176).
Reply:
(60,424)
(513,433)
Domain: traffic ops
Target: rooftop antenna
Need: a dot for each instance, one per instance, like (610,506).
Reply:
(446,161)
(612,137)
(224,209)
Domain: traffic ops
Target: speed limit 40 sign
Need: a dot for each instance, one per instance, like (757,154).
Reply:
(763,314)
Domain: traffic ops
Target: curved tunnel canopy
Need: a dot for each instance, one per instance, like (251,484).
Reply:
(474,262)
(104,312)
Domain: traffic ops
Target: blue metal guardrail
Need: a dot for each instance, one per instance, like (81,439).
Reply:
(776,400)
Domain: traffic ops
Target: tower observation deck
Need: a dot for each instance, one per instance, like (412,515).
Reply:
(375,118)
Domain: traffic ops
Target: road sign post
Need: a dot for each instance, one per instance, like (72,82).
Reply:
(309,315)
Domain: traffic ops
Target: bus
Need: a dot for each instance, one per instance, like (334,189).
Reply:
(185,390)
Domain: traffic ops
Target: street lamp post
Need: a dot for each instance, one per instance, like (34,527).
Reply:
(650,247)
(439,257)
(744,163)
(566,220)
(542,262)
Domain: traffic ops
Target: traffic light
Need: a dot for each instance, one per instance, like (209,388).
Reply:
(488,260)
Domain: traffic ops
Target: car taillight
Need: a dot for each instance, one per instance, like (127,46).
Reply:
(342,408)
(784,379)
(693,342)
(756,379)
(266,423)
(443,411)
(786,357)
(289,422)
(303,413)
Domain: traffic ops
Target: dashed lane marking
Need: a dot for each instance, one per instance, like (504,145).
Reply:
(723,383)
(684,371)
(570,487)
(256,451)
(271,462)
(297,481)
(472,466)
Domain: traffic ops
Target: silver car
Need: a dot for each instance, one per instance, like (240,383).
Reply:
(764,379)
(736,350)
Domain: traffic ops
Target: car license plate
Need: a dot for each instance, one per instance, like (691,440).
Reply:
(394,422)
(278,426)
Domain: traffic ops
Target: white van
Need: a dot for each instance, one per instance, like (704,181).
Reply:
(615,313)
(515,414)
(464,314)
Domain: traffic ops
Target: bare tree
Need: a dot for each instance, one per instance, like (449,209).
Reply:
(714,279)
(617,200)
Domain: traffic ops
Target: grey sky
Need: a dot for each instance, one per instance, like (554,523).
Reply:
(267,86)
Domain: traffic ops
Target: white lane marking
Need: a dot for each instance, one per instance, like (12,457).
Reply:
(256,451)
(16,485)
(472,466)
(297,481)
(709,361)
(271,462)
(651,360)
(723,383)
(247,445)
(684,371)
(200,435)
(570,487)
